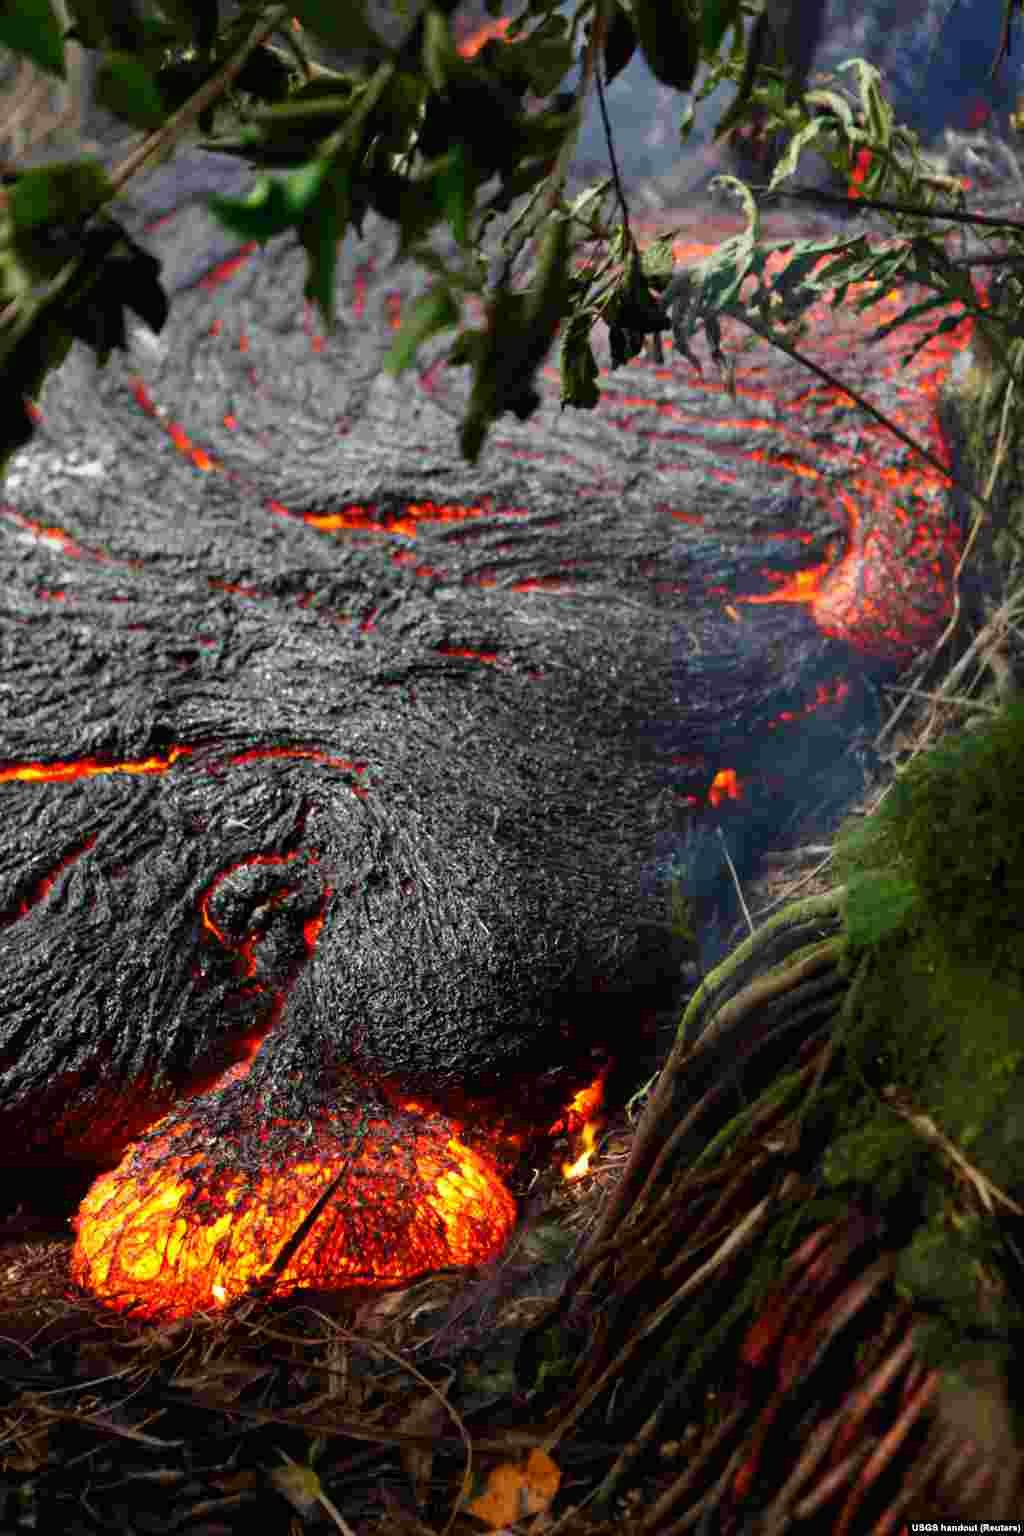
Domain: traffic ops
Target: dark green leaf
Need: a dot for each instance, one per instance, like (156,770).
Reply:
(657,261)
(140,287)
(114,262)
(264,76)
(514,186)
(553,25)
(115,274)
(455,194)
(341,26)
(547,293)
(30,27)
(434,311)
(519,333)
(179,80)
(58,194)
(273,205)
(439,54)
(249,145)
(740,108)
(327,212)
(261,215)
(195,19)
(94,21)
(467,349)
(362,125)
(414,204)
(668,37)
(625,344)
(99,323)
(715,16)
(317,96)
(620,44)
(320,239)
(25,364)
(396,117)
(548,63)
(801,34)
(578,366)
(125,87)
(545,132)
(501,370)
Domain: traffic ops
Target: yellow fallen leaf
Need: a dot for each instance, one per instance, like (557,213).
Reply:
(514,1491)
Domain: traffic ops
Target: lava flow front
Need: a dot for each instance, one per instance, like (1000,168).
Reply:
(412,1198)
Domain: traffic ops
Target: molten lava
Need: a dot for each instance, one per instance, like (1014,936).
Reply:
(412,1198)
(582,1122)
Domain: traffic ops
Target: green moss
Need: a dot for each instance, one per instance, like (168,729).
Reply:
(942,1270)
(946,849)
(935,933)
(935,942)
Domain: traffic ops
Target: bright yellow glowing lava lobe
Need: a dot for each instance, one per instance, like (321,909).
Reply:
(141,1245)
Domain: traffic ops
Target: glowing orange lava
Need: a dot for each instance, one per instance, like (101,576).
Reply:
(483,35)
(147,1242)
(724,786)
(93,767)
(582,1122)
(402,1209)
(890,592)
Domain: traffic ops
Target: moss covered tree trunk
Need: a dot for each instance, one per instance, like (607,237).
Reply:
(982,418)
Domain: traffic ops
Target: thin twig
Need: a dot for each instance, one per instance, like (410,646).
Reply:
(811,195)
(960,700)
(176,126)
(988,1193)
(835,382)
(735,879)
(985,637)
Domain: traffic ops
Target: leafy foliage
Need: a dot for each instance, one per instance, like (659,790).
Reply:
(59,283)
(31,28)
(422,135)
(669,40)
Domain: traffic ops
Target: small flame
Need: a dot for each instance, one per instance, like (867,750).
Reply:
(583,1120)
(575,1170)
(724,786)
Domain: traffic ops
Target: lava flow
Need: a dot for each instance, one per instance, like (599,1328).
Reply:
(412,1197)
(495,691)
